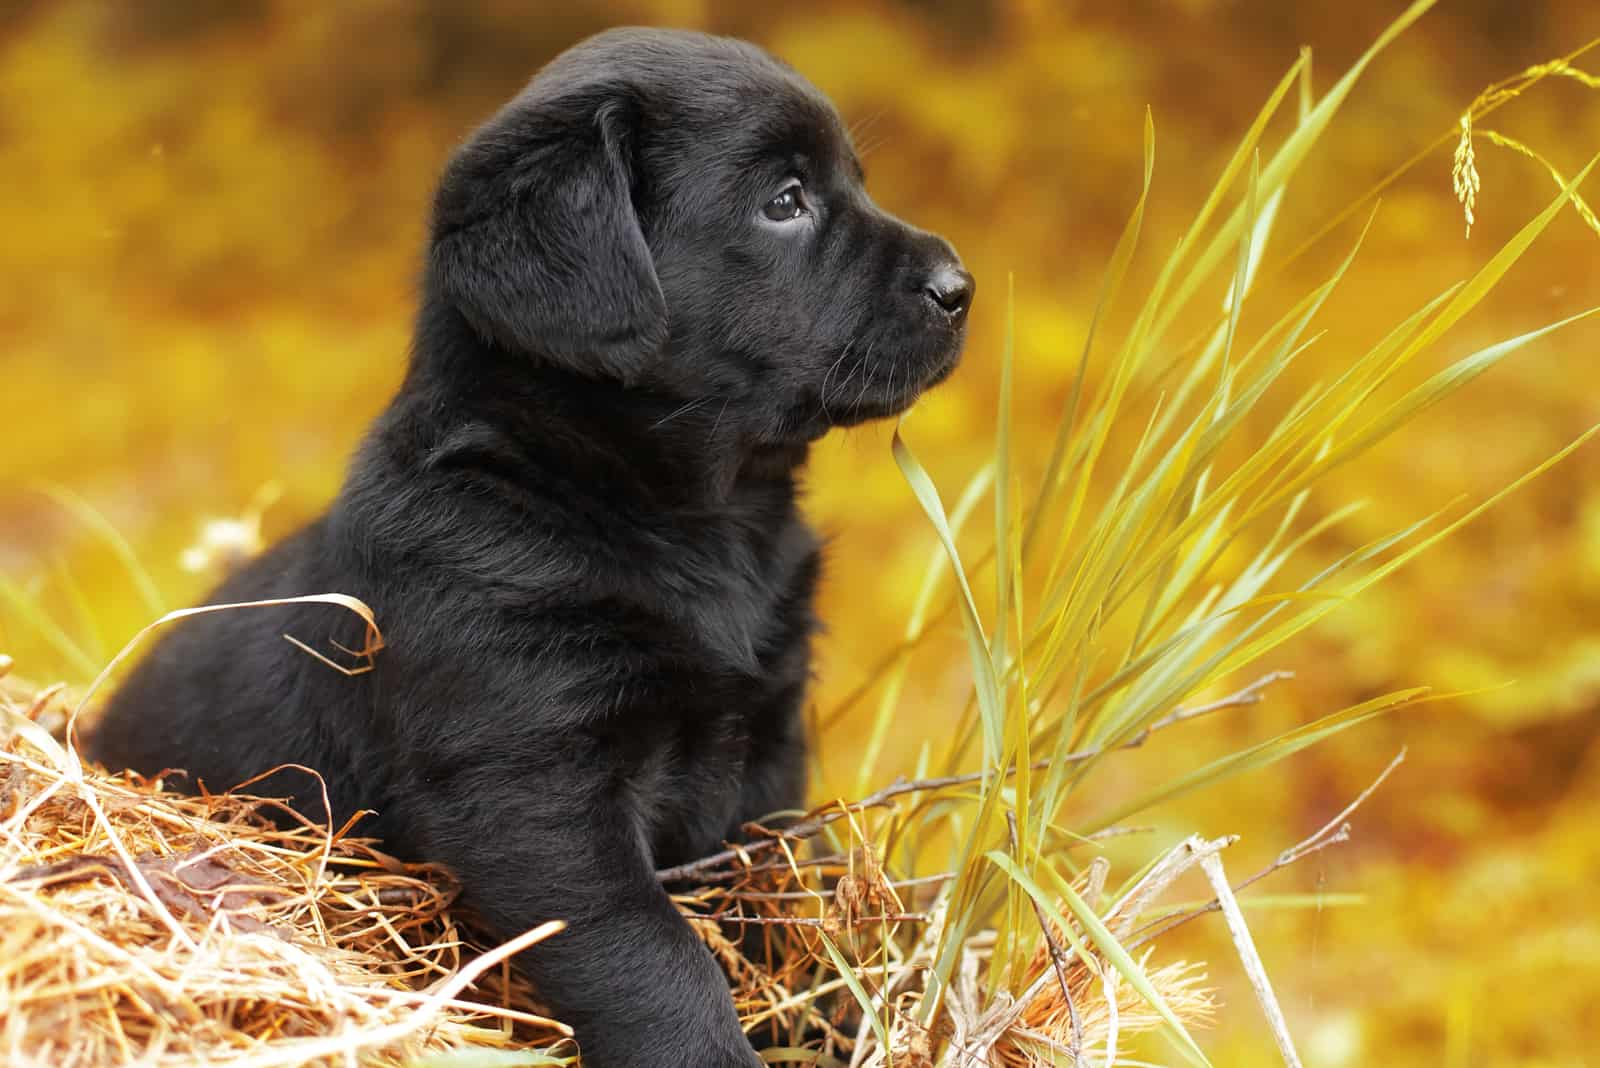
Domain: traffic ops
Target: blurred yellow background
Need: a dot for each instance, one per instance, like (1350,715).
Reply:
(212,212)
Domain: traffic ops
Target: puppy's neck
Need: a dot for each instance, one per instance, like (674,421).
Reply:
(470,403)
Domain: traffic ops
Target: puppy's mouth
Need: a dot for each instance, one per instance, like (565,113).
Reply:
(881,388)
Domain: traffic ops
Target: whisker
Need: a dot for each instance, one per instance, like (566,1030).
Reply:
(823,393)
(665,419)
(722,412)
(861,126)
(840,386)
(866,379)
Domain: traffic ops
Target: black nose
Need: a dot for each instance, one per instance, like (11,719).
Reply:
(950,287)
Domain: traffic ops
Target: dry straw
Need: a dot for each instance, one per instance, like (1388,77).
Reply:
(142,927)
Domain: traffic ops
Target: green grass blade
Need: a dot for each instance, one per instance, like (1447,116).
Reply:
(1002,484)
(851,980)
(895,678)
(990,703)
(91,517)
(1264,753)
(1110,287)
(28,612)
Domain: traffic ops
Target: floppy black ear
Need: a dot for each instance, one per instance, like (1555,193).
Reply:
(536,241)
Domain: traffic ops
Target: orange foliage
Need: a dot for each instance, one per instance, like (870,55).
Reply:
(212,215)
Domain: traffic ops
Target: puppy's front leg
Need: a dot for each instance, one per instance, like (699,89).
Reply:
(636,984)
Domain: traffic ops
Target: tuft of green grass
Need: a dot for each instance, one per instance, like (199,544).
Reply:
(1130,580)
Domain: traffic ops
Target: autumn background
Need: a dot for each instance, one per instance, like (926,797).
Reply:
(212,213)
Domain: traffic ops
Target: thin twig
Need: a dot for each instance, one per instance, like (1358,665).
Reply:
(812,921)
(1333,832)
(1337,828)
(808,828)
(832,860)
(808,895)
(1252,694)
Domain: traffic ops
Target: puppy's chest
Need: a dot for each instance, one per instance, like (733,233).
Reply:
(744,599)
(733,743)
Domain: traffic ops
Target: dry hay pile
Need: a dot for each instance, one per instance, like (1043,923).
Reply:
(140,926)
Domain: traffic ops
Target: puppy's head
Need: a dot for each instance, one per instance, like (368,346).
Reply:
(684,214)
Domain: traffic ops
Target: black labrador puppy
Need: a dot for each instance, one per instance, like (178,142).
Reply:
(652,280)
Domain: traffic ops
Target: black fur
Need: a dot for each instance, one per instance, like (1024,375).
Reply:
(577,525)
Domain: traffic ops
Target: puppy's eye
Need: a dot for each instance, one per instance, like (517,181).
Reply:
(787,205)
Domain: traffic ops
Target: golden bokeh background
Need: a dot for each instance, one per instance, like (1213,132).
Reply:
(212,212)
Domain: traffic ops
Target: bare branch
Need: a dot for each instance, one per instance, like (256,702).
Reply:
(807,895)
(812,921)
(837,810)
(1252,694)
(1334,832)
(1337,828)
